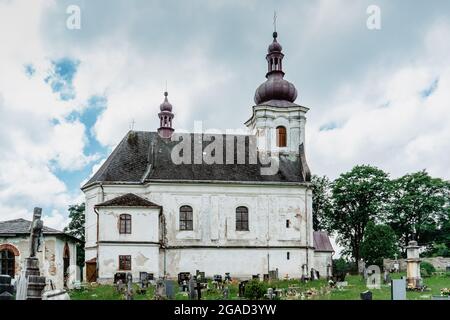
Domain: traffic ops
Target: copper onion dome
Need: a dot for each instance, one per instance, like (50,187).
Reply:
(275,87)
(166,105)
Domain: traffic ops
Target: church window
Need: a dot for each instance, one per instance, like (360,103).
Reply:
(281,137)
(125,224)
(241,219)
(7,262)
(186,218)
(288,223)
(288,255)
(125,262)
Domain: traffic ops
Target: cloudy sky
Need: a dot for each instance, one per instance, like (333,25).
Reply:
(67,97)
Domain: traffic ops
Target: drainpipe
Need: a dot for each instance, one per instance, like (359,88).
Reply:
(96,255)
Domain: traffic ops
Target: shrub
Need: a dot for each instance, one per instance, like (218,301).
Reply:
(340,268)
(427,269)
(255,290)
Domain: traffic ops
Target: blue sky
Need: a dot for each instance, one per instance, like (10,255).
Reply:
(69,96)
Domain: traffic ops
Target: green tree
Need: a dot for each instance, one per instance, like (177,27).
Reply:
(418,204)
(76,229)
(359,196)
(379,242)
(322,205)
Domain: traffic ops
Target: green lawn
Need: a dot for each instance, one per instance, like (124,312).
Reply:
(317,290)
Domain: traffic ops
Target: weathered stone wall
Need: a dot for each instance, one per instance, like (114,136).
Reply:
(214,239)
(321,262)
(439,263)
(50,259)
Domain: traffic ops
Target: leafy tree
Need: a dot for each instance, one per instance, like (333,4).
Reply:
(322,205)
(379,242)
(419,202)
(76,229)
(359,196)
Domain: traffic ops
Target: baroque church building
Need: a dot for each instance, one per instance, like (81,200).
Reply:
(146,212)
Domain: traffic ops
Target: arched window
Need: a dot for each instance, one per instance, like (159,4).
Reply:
(125,224)
(186,218)
(281,137)
(241,219)
(7,262)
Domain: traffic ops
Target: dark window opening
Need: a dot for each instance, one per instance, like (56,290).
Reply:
(288,224)
(288,255)
(125,224)
(7,263)
(242,219)
(186,218)
(124,262)
(281,137)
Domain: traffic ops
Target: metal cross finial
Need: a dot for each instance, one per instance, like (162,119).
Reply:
(132,124)
(274,21)
(166,86)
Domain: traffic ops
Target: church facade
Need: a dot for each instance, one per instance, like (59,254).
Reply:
(244,210)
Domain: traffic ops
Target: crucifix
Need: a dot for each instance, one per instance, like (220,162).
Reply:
(132,125)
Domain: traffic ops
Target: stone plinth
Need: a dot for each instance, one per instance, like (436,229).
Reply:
(36,282)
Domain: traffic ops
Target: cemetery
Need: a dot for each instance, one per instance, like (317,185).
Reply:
(294,289)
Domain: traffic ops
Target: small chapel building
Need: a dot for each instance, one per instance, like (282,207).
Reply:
(146,212)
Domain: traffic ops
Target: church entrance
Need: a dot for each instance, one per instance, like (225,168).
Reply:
(91,270)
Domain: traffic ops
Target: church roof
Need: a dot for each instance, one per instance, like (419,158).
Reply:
(22,226)
(322,242)
(128,200)
(144,156)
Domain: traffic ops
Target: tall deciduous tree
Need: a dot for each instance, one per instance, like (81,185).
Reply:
(379,242)
(322,205)
(76,228)
(359,196)
(419,202)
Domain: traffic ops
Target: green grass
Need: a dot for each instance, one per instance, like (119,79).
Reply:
(317,290)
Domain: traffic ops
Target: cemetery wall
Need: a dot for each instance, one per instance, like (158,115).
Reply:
(439,263)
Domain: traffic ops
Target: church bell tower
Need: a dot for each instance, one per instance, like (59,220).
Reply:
(277,121)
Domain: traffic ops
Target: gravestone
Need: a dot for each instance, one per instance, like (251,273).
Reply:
(270,294)
(273,274)
(255,276)
(120,276)
(226,293)
(129,292)
(6,289)
(192,286)
(183,276)
(398,289)
(242,285)
(170,289)
(227,277)
(160,291)
(366,295)
(266,277)
(55,295)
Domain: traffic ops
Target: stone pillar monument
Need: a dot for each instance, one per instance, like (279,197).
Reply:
(413,265)
(35,282)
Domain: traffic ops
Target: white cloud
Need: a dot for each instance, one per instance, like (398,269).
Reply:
(408,133)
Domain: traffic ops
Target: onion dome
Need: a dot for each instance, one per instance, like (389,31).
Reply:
(166,105)
(166,116)
(275,87)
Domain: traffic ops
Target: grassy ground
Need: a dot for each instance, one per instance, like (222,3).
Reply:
(317,290)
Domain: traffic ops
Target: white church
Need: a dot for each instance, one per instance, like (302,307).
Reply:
(146,212)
